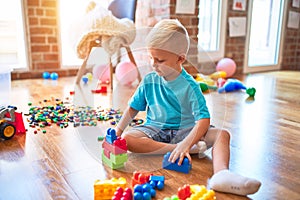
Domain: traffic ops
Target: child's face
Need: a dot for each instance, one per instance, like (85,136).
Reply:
(165,63)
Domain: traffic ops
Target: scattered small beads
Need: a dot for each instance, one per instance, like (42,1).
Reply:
(64,113)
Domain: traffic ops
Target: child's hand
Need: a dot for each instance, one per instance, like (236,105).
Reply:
(118,132)
(182,150)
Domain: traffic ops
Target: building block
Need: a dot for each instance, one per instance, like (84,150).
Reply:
(115,158)
(140,178)
(110,163)
(157,181)
(120,143)
(114,148)
(184,192)
(123,194)
(143,192)
(193,192)
(105,189)
(110,135)
(120,158)
(200,192)
(185,166)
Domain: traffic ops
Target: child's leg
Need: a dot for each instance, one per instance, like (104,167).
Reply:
(138,142)
(220,141)
(223,180)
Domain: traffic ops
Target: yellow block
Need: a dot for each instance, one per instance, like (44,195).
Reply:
(105,189)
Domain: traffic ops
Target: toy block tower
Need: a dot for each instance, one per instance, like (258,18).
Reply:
(114,150)
(185,166)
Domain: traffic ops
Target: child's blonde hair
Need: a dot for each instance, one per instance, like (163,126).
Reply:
(169,35)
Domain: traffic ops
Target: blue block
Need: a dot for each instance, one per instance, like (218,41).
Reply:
(143,192)
(185,166)
(110,135)
(157,181)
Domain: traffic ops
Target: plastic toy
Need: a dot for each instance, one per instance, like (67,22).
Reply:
(232,85)
(251,91)
(157,182)
(204,79)
(114,150)
(111,135)
(193,192)
(105,189)
(143,192)
(200,192)
(185,166)
(85,79)
(218,74)
(227,65)
(174,197)
(11,122)
(204,87)
(102,90)
(46,75)
(54,76)
(184,192)
(140,178)
(221,82)
(122,194)
(126,73)
(89,75)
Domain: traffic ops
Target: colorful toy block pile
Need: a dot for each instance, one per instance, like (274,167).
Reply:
(143,184)
(144,188)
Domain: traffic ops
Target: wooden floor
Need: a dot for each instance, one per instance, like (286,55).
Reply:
(63,163)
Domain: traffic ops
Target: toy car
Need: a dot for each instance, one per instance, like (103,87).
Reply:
(11,122)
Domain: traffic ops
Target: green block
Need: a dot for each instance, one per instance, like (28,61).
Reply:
(120,158)
(110,163)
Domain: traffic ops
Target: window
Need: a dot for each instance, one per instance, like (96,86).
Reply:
(12,35)
(212,24)
(70,32)
(264,41)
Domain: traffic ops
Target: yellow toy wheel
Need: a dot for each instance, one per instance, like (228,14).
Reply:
(7,131)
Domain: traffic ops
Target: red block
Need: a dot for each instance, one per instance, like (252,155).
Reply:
(121,143)
(140,178)
(113,148)
(184,192)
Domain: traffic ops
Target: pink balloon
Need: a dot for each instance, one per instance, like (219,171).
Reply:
(126,73)
(227,65)
(102,73)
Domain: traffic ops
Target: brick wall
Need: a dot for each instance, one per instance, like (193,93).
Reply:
(43,39)
(291,48)
(43,33)
(235,46)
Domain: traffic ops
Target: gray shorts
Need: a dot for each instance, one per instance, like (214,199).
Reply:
(164,135)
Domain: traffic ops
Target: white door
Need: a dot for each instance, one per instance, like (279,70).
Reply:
(264,38)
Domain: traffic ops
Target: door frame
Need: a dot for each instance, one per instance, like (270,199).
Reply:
(246,68)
